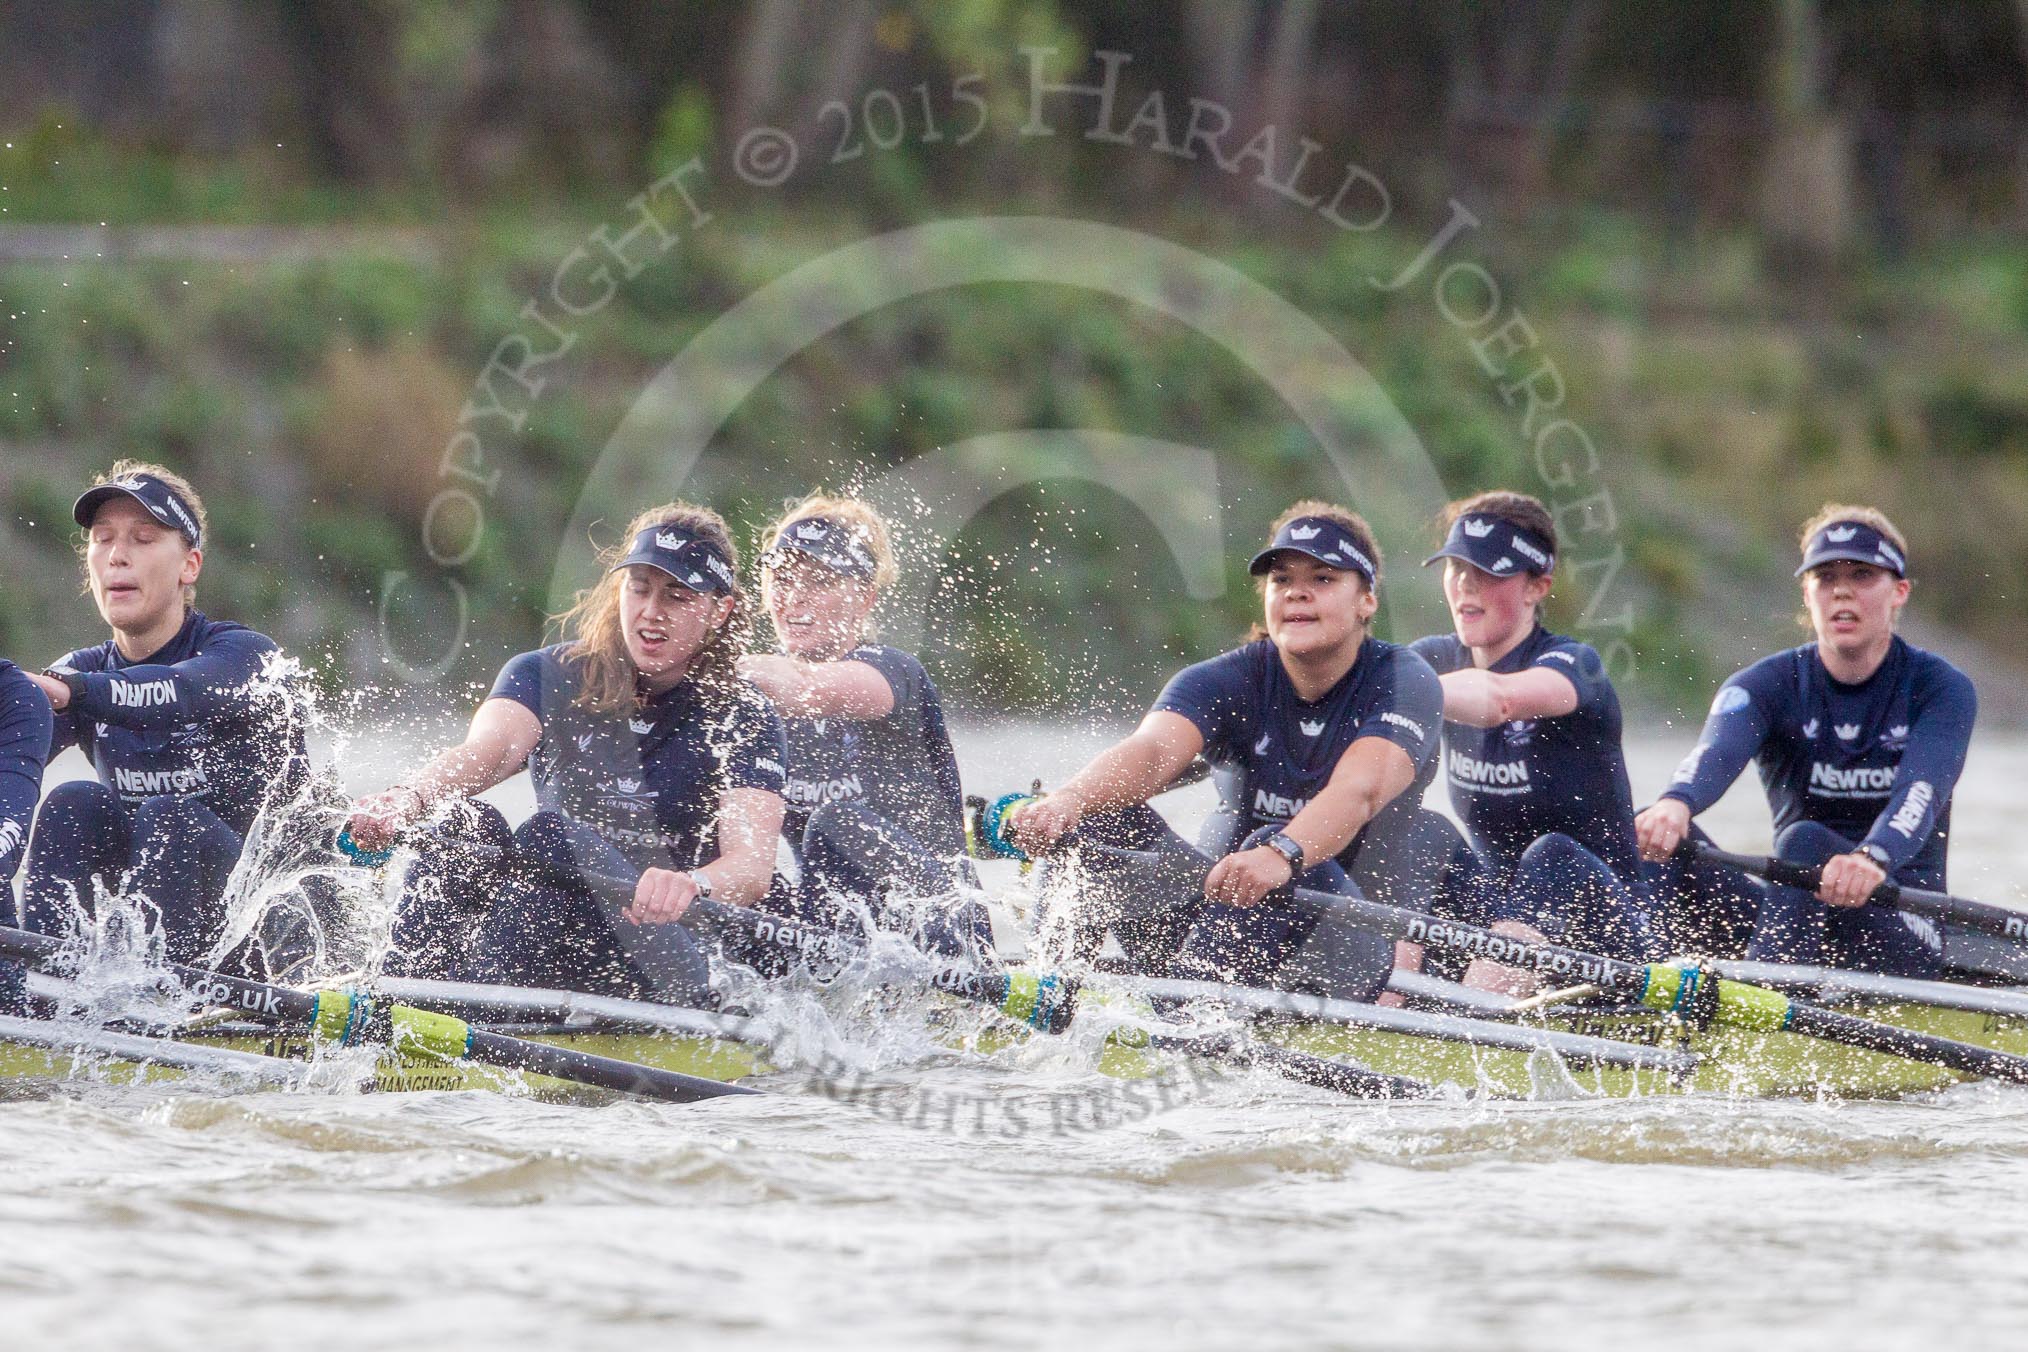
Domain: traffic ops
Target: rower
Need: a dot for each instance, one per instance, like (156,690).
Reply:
(650,757)
(25,727)
(190,723)
(874,805)
(1531,746)
(1316,729)
(1859,738)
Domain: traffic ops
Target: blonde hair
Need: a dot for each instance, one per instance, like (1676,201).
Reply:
(607,677)
(1354,525)
(1845,511)
(860,517)
(123,469)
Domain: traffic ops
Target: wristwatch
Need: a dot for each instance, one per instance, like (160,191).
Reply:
(1283,844)
(72,679)
(1876,854)
(703,881)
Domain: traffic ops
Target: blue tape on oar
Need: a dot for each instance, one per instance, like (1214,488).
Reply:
(359,854)
(993,827)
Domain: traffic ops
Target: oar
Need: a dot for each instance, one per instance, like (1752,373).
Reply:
(1689,992)
(1046,1002)
(1998,921)
(146,1051)
(352,1017)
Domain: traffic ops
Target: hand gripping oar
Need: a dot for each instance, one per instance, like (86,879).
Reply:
(1693,994)
(353,1017)
(1998,921)
(1045,1002)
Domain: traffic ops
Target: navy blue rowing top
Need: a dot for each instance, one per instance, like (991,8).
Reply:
(1876,762)
(1274,751)
(1523,779)
(649,784)
(25,726)
(900,766)
(205,717)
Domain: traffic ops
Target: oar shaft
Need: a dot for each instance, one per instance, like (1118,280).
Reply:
(1658,986)
(1044,1001)
(351,1017)
(1984,917)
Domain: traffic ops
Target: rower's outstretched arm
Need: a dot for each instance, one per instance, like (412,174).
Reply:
(24,741)
(749,822)
(226,676)
(1132,770)
(1486,699)
(1733,731)
(1371,774)
(1940,733)
(799,689)
(502,735)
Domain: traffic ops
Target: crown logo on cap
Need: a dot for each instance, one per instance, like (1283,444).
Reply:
(665,540)
(1305,532)
(130,485)
(809,530)
(1838,535)
(1478,530)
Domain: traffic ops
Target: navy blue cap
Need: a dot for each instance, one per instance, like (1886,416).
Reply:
(691,559)
(1854,540)
(156,497)
(1496,546)
(1320,538)
(838,547)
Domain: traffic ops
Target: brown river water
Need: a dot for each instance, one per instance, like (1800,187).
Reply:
(1022,1202)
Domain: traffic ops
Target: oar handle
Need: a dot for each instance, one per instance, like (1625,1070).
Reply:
(1998,921)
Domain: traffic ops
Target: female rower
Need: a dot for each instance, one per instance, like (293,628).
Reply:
(1316,727)
(188,723)
(650,758)
(25,727)
(1531,747)
(874,805)
(1859,738)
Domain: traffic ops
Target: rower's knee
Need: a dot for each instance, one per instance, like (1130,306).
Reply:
(1809,843)
(546,836)
(166,818)
(1554,853)
(79,802)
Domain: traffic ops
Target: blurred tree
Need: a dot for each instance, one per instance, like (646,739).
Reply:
(1514,69)
(347,59)
(1806,176)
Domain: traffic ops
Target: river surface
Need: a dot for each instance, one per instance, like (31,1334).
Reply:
(1016,1203)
